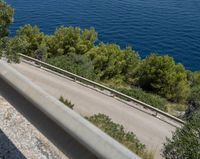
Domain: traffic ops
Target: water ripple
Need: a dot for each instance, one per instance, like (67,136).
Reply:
(162,26)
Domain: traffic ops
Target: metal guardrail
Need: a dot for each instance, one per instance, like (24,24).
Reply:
(13,84)
(102,87)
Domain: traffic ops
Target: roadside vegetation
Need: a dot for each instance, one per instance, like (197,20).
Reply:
(66,102)
(118,133)
(7,44)
(6,18)
(155,80)
(77,64)
(149,98)
(185,142)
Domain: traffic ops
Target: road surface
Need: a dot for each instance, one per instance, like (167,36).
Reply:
(150,130)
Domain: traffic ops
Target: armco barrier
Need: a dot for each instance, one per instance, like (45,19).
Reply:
(15,86)
(102,87)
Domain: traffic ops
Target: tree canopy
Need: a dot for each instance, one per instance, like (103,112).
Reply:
(7,46)
(6,18)
(163,76)
(34,39)
(71,40)
(110,61)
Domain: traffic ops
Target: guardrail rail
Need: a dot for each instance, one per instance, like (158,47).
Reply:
(101,87)
(56,117)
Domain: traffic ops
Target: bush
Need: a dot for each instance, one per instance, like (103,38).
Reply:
(185,142)
(6,18)
(66,102)
(118,133)
(34,39)
(193,101)
(71,40)
(176,109)
(148,98)
(77,64)
(193,78)
(161,75)
(110,61)
(10,48)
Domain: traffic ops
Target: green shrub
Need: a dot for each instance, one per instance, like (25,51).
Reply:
(193,101)
(118,133)
(193,78)
(71,40)
(161,75)
(110,61)
(77,64)
(6,18)
(66,102)
(34,39)
(185,142)
(139,94)
(176,109)
(10,47)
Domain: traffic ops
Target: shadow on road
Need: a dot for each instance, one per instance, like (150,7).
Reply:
(7,149)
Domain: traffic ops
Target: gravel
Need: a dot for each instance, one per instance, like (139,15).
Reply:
(20,140)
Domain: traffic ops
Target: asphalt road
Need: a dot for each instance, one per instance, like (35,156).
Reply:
(150,130)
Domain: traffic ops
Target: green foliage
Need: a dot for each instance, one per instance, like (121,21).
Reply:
(66,102)
(194,98)
(6,18)
(11,48)
(71,40)
(35,41)
(148,98)
(185,143)
(78,64)
(6,45)
(118,133)
(161,75)
(196,79)
(193,101)
(110,61)
(132,63)
(177,109)
(193,78)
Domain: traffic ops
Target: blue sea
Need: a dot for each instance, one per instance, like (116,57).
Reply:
(161,26)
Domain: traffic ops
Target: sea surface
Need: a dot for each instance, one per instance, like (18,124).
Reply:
(161,26)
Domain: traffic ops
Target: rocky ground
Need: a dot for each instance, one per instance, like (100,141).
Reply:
(20,140)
